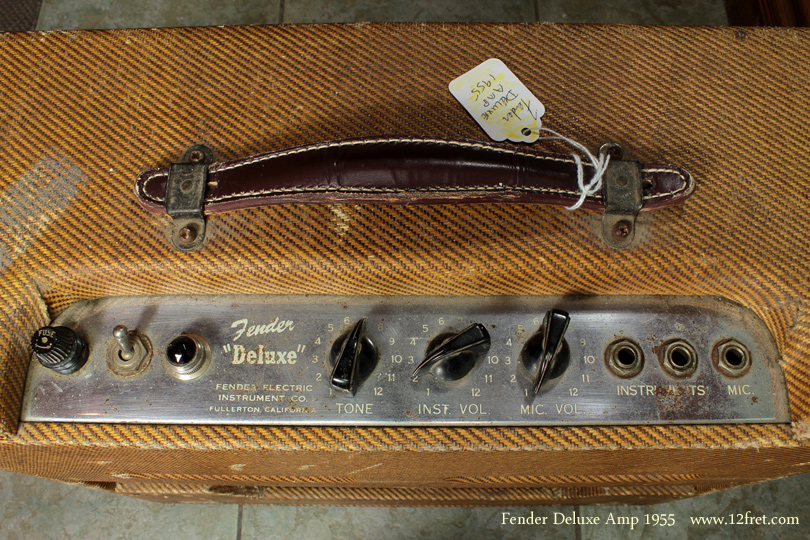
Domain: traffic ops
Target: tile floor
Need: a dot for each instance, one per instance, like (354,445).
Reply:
(87,14)
(33,508)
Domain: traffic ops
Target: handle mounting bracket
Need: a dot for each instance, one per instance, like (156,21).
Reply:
(185,196)
(622,195)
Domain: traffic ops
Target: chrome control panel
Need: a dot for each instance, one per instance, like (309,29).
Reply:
(405,360)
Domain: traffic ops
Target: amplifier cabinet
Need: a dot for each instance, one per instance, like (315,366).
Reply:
(83,114)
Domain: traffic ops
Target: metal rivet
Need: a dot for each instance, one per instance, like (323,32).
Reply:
(195,156)
(621,229)
(187,235)
(621,181)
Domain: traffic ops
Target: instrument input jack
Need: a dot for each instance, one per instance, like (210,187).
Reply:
(731,358)
(624,358)
(679,359)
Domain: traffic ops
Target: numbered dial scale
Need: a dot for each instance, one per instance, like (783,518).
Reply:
(404,360)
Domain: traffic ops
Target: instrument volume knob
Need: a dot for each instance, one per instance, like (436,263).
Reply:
(59,348)
(456,354)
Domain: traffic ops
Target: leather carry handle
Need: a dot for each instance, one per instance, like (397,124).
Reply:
(408,170)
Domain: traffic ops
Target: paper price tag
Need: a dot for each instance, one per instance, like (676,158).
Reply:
(499,102)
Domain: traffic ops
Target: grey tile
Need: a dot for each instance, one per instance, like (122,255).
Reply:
(786,498)
(270,523)
(679,12)
(334,11)
(33,508)
(98,14)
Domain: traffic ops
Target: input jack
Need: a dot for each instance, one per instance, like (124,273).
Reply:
(679,359)
(731,358)
(624,358)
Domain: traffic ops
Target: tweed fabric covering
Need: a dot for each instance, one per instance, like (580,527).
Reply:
(83,113)
(402,497)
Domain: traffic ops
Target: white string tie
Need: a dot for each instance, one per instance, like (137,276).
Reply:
(599,165)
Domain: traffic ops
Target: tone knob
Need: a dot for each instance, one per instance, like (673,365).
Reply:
(59,348)
(353,358)
(542,356)
(456,354)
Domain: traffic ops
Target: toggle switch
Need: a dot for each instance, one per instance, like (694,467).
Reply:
(129,353)
(121,335)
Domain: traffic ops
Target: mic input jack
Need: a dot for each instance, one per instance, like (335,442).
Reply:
(731,358)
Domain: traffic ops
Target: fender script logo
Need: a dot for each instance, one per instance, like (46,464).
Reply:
(277,326)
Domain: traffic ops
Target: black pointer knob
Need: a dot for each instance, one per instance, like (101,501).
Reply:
(555,323)
(454,357)
(347,370)
(59,348)
(182,350)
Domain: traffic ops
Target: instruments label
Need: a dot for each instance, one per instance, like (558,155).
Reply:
(634,390)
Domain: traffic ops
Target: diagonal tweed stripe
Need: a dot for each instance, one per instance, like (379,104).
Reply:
(394,497)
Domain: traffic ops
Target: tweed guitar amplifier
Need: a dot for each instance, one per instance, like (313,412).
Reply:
(284,264)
